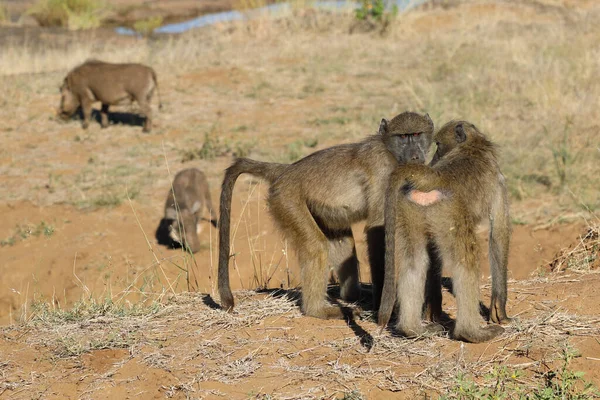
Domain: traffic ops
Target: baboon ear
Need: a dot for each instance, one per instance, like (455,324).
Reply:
(170,213)
(196,207)
(429,119)
(459,133)
(383,126)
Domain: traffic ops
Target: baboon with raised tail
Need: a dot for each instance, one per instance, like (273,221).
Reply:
(315,200)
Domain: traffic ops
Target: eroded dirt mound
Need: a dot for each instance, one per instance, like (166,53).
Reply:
(583,255)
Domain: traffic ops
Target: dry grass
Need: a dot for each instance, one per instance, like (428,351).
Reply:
(537,345)
(529,82)
(583,257)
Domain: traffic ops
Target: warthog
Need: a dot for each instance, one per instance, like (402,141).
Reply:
(183,208)
(109,84)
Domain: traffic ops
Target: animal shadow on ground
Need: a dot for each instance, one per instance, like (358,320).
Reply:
(210,302)
(162,233)
(333,291)
(124,118)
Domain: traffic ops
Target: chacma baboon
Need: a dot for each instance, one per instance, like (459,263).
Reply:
(315,200)
(109,84)
(470,187)
(183,208)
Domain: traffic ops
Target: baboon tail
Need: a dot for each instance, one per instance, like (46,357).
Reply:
(264,170)
(388,294)
(157,91)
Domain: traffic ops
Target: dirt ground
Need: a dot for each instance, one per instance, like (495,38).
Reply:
(79,211)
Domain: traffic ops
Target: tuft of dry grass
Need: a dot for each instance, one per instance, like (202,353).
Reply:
(583,257)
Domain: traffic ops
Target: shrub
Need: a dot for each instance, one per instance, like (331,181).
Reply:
(147,26)
(73,14)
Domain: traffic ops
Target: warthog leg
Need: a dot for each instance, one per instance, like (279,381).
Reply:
(104,115)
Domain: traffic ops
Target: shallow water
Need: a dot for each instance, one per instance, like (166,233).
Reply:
(272,9)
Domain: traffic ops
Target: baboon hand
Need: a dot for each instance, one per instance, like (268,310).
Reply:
(425,198)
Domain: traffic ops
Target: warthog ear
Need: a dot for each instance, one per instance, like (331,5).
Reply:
(170,213)
(196,207)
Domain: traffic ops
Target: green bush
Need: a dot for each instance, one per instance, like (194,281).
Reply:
(376,10)
(73,14)
(147,26)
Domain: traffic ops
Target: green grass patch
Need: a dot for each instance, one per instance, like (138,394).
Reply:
(72,14)
(503,383)
(147,26)
(25,231)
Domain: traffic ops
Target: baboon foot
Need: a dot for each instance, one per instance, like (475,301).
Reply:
(432,328)
(479,335)
(146,129)
(85,125)
(502,320)
(328,312)
(498,315)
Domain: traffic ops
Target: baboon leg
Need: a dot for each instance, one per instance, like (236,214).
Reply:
(376,251)
(433,286)
(104,115)
(412,260)
(343,260)
(311,245)
(147,111)
(86,108)
(412,274)
(462,253)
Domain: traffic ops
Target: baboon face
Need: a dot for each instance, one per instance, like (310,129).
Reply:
(187,226)
(68,102)
(452,135)
(408,136)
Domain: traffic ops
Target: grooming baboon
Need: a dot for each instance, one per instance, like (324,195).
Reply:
(470,187)
(109,84)
(183,208)
(315,200)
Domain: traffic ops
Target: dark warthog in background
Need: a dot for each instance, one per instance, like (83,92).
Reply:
(109,84)
(183,209)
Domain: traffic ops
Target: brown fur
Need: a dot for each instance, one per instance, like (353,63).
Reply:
(109,84)
(465,170)
(183,208)
(315,200)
